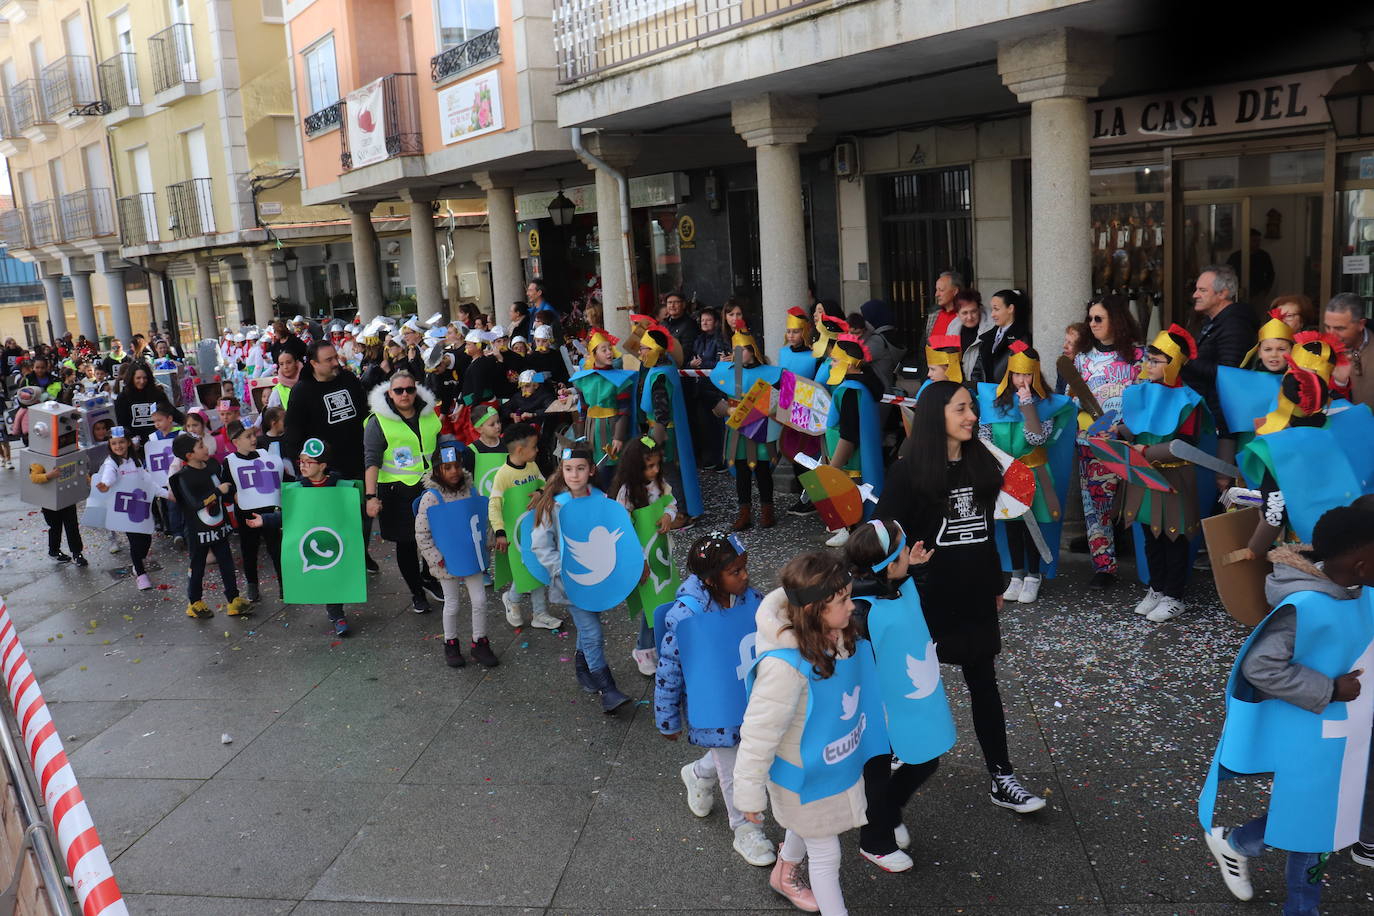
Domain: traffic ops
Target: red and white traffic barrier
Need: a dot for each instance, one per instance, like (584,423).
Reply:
(77,840)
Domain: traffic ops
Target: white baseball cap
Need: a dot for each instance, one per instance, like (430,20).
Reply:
(543,332)
(497,332)
(476,336)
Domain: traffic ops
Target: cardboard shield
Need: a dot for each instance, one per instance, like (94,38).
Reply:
(158,453)
(485,465)
(663,580)
(524,537)
(601,557)
(835,496)
(322,545)
(1240,584)
(459,529)
(130,506)
(803,404)
(258,480)
(510,565)
(717,652)
(97,505)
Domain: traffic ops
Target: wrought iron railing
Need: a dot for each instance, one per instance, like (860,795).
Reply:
(119,81)
(465,56)
(87,214)
(191,207)
(320,121)
(400,120)
(69,87)
(13,232)
(137,219)
(595,35)
(9,130)
(44,228)
(174,57)
(26,98)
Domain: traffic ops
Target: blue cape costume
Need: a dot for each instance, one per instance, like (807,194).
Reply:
(870,444)
(919,724)
(680,436)
(802,363)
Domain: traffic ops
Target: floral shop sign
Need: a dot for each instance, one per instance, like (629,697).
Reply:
(471,108)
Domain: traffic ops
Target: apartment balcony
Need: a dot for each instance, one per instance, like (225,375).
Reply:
(478,51)
(137,219)
(118,78)
(44,227)
(70,91)
(397,135)
(174,64)
(191,208)
(591,36)
(12,140)
(87,215)
(328,118)
(18,10)
(13,233)
(32,119)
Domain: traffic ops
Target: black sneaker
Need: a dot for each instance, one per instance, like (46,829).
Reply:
(453,654)
(371,564)
(1078,544)
(482,654)
(420,605)
(250,591)
(80,560)
(60,557)
(341,627)
(1102,581)
(803,507)
(1007,792)
(1363,854)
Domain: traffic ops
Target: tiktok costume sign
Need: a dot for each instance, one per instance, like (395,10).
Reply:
(459,529)
(158,453)
(601,557)
(258,480)
(130,506)
(919,723)
(715,676)
(663,580)
(844,724)
(322,545)
(1319,761)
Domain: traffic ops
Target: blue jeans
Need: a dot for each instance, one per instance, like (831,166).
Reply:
(646,634)
(1303,872)
(590,642)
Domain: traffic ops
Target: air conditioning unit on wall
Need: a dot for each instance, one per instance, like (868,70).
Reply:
(846,158)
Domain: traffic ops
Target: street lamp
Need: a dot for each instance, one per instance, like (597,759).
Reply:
(1350,103)
(289,260)
(562,210)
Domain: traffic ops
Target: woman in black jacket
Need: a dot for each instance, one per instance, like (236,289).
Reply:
(139,396)
(1010,313)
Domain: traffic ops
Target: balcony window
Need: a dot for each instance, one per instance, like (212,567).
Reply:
(27,101)
(86,214)
(138,219)
(192,209)
(174,57)
(322,75)
(386,125)
(466,56)
(463,20)
(69,86)
(119,81)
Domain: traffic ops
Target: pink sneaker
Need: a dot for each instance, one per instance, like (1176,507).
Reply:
(786,878)
(144,583)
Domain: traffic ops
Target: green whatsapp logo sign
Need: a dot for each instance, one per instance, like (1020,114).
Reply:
(321,548)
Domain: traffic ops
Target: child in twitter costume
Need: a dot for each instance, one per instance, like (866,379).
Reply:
(919,724)
(708,647)
(815,716)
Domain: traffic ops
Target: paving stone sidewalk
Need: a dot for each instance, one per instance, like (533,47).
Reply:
(365,777)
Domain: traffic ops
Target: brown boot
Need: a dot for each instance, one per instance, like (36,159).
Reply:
(766,519)
(742,521)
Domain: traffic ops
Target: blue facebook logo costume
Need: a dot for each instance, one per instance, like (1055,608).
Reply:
(459,529)
(1319,762)
(715,675)
(601,557)
(844,724)
(919,724)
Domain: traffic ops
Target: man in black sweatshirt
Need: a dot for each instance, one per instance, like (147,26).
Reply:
(331,405)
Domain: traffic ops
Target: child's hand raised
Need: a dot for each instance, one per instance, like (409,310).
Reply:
(1347,686)
(918,555)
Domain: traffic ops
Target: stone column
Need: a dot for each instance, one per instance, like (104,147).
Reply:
(365,263)
(57,309)
(205,302)
(1056,72)
(119,305)
(85,305)
(162,313)
(260,276)
(775,126)
(617,292)
(507,275)
(424,255)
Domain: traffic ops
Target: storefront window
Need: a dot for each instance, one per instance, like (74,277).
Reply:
(1356,166)
(1128,253)
(1256,171)
(1354,246)
(1121,181)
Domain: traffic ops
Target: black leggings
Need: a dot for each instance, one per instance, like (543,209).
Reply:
(59,520)
(989,720)
(762,474)
(224,556)
(249,539)
(139,545)
(1167,559)
(887,792)
(408,559)
(1021,549)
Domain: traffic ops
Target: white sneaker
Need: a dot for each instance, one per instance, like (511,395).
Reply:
(511,601)
(839,538)
(753,846)
(1149,602)
(1235,868)
(1013,592)
(894,861)
(545,621)
(903,836)
(1167,609)
(647,660)
(701,793)
(1030,589)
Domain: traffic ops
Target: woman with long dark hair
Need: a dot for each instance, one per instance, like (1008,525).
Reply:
(139,396)
(1108,360)
(942,490)
(1009,310)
